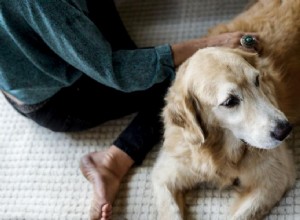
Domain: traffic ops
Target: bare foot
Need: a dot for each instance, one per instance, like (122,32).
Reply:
(105,171)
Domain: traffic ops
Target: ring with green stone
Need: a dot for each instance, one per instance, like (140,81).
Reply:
(248,41)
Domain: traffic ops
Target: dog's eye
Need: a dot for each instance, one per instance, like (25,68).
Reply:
(257,81)
(231,102)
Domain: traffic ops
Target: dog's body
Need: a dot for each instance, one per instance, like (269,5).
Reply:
(222,119)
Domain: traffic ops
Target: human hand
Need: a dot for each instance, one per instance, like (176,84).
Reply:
(183,50)
(233,40)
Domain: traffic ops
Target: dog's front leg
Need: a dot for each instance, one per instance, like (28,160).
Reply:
(168,202)
(261,188)
(169,179)
(255,204)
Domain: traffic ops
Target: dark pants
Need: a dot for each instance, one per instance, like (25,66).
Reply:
(87,103)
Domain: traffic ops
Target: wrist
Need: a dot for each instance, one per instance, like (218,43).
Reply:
(183,50)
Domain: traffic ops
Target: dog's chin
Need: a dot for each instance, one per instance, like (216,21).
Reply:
(266,146)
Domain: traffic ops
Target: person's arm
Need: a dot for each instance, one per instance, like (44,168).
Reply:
(74,38)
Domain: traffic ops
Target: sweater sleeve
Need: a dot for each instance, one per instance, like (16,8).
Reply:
(74,37)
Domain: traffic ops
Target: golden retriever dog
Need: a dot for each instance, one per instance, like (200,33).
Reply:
(228,113)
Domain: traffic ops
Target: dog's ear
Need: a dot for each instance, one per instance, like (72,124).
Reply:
(185,113)
(183,110)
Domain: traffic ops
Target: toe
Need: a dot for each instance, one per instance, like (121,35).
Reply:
(104,213)
(107,208)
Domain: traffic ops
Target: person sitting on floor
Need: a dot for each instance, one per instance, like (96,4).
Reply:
(70,65)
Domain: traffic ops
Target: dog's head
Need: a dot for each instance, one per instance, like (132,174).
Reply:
(221,88)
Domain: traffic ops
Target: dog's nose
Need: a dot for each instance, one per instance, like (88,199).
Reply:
(282,130)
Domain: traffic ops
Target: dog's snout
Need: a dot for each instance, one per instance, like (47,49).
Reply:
(282,130)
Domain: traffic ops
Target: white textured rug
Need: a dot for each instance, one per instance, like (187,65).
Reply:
(39,175)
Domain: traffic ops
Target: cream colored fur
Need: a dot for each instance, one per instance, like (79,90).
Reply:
(205,140)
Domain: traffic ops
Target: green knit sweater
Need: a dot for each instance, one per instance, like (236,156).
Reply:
(48,44)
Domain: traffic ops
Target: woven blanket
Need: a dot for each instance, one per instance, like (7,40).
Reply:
(39,169)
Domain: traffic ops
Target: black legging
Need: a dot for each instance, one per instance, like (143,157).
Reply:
(87,103)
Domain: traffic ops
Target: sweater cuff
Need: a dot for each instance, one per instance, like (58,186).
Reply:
(165,55)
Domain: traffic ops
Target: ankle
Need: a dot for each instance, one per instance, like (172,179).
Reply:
(118,161)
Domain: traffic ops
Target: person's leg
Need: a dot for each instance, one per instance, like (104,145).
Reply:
(87,104)
(105,170)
